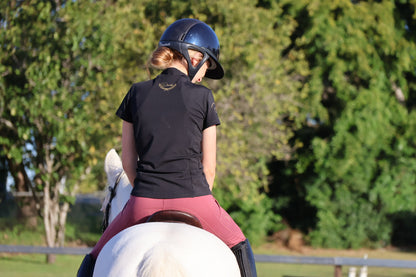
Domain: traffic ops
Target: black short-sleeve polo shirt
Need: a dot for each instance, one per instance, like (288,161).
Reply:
(168,115)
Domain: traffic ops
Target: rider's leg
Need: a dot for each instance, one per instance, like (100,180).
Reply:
(87,267)
(245,259)
(217,221)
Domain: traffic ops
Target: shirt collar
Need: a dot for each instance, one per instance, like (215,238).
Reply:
(174,71)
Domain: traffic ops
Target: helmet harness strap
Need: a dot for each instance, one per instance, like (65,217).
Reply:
(192,70)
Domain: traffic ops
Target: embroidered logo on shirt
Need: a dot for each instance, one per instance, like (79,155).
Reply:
(213,107)
(166,86)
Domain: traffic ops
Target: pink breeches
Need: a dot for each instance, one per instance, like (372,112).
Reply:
(206,208)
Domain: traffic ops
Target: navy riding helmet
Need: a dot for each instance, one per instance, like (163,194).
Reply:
(194,34)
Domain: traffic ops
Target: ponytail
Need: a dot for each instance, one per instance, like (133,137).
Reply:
(163,57)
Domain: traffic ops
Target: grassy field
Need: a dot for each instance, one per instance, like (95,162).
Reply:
(35,266)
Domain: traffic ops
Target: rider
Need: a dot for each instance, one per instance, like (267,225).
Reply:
(170,124)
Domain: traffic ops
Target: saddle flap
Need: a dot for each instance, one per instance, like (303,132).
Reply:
(175,216)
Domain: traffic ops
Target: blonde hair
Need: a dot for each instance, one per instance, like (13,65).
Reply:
(163,57)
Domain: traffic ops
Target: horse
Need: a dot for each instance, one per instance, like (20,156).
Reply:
(157,249)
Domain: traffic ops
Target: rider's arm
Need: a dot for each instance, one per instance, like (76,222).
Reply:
(129,154)
(209,153)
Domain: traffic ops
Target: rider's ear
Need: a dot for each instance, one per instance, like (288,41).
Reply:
(195,61)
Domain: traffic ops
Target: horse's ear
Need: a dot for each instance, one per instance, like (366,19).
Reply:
(112,162)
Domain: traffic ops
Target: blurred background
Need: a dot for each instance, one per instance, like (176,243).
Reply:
(316,146)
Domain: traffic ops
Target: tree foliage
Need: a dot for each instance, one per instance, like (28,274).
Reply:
(356,162)
(55,73)
(316,107)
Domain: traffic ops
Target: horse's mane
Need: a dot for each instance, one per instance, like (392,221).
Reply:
(160,261)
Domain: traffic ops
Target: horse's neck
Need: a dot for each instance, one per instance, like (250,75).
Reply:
(122,195)
(118,183)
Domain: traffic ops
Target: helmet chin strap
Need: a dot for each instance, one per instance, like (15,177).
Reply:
(191,69)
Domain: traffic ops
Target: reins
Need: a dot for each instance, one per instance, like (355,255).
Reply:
(113,194)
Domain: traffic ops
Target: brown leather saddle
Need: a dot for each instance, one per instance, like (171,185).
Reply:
(175,216)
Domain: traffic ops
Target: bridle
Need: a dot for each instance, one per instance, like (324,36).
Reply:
(113,194)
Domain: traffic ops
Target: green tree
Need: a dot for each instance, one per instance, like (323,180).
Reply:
(356,155)
(56,70)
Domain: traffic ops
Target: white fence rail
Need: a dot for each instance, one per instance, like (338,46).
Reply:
(44,250)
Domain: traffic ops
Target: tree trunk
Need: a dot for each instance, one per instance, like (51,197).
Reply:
(62,223)
(50,258)
(54,213)
(54,220)
(27,212)
(49,217)
(28,206)
(3,178)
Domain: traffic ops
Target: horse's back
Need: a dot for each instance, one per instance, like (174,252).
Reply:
(166,249)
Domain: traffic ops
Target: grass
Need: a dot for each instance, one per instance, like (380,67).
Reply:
(34,265)
(297,270)
(272,270)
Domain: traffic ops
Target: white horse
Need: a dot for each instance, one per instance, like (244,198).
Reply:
(158,249)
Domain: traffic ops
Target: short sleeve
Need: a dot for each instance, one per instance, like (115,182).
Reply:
(211,113)
(124,111)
